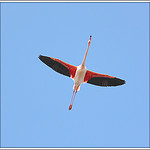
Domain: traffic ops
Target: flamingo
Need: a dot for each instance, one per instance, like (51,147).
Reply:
(80,74)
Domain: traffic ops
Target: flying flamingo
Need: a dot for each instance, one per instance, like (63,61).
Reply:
(80,74)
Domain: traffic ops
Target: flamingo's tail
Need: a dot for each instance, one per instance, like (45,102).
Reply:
(77,88)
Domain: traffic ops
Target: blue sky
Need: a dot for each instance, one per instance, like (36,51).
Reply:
(35,99)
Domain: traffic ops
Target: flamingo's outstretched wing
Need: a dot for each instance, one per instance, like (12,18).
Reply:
(59,66)
(102,79)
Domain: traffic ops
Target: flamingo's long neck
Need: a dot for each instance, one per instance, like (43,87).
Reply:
(83,62)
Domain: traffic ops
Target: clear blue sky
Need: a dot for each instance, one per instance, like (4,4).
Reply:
(35,99)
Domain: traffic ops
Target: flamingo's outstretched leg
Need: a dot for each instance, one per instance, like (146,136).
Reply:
(72,99)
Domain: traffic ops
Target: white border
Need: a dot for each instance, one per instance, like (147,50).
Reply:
(77,148)
(82,1)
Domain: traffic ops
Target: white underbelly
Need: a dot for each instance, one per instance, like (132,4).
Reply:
(79,76)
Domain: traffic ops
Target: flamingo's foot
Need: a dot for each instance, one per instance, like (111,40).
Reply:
(70,107)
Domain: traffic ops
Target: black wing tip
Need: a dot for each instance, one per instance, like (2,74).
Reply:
(40,56)
(105,81)
(124,82)
(120,81)
(55,65)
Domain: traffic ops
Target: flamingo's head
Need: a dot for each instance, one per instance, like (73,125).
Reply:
(90,37)
(89,42)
